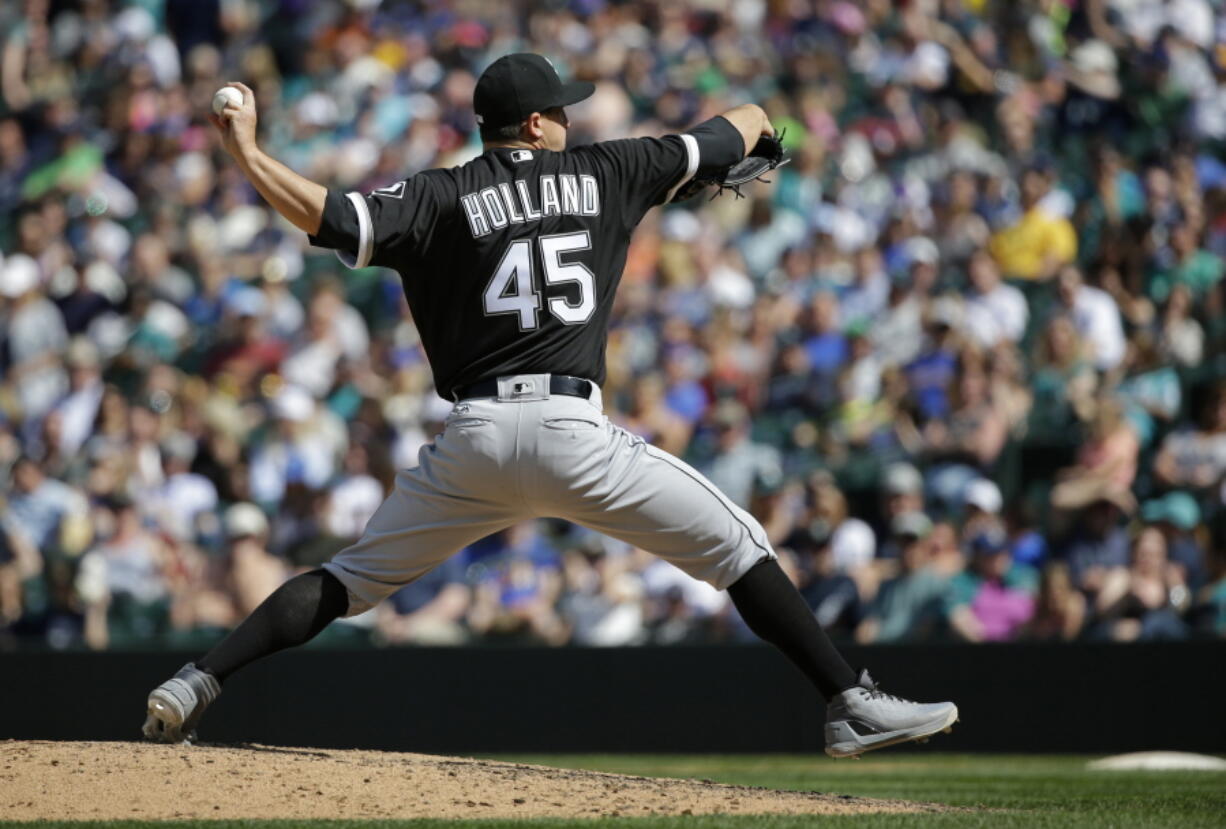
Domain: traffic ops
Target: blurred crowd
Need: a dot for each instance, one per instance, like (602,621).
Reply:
(963,356)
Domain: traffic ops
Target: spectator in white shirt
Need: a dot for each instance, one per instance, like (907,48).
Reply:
(899,333)
(353,499)
(305,448)
(334,331)
(312,364)
(79,409)
(33,332)
(184,495)
(1096,317)
(348,326)
(995,311)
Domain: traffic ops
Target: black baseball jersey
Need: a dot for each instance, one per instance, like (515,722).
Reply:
(510,262)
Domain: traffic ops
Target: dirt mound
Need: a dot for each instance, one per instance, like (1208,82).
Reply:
(108,781)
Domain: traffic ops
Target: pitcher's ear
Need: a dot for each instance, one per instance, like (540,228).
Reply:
(532,128)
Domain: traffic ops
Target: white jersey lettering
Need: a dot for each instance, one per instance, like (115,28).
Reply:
(530,212)
(549,196)
(477,222)
(591,197)
(495,207)
(570,194)
(516,216)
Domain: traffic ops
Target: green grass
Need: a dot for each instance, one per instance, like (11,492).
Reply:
(1000,791)
(1020,790)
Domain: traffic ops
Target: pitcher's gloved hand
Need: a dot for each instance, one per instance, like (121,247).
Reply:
(766,155)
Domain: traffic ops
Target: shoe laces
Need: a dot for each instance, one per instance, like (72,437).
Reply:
(873,691)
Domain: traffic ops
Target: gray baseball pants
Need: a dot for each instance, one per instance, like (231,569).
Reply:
(525,454)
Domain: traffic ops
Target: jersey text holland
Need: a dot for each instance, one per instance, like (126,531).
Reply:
(493,208)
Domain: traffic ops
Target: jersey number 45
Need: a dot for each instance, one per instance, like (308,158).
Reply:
(512,288)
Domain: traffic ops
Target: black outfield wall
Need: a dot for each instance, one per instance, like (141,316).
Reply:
(1016,698)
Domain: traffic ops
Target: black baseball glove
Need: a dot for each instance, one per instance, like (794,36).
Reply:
(766,155)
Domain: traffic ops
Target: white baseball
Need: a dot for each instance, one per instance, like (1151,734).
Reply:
(225,96)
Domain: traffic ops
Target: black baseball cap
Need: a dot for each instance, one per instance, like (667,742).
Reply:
(515,86)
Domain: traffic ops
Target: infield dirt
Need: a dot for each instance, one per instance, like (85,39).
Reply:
(107,781)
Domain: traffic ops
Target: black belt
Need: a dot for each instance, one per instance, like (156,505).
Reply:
(558,384)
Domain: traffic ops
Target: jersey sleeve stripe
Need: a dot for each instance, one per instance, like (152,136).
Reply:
(691,165)
(366,236)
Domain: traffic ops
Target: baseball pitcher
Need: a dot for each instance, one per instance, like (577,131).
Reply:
(510,263)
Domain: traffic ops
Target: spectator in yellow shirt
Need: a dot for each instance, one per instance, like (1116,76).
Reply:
(1041,241)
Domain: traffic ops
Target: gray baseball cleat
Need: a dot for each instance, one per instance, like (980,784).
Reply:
(863,718)
(177,704)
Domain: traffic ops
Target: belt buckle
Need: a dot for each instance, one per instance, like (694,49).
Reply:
(523,387)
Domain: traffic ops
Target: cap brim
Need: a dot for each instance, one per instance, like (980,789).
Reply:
(574,92)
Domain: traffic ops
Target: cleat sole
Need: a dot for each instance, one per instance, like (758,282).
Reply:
(164,721)
(840,750)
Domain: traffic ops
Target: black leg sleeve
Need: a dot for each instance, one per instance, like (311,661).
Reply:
(775,611)
(295,613)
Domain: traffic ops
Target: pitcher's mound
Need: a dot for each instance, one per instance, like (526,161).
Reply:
(114,781)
